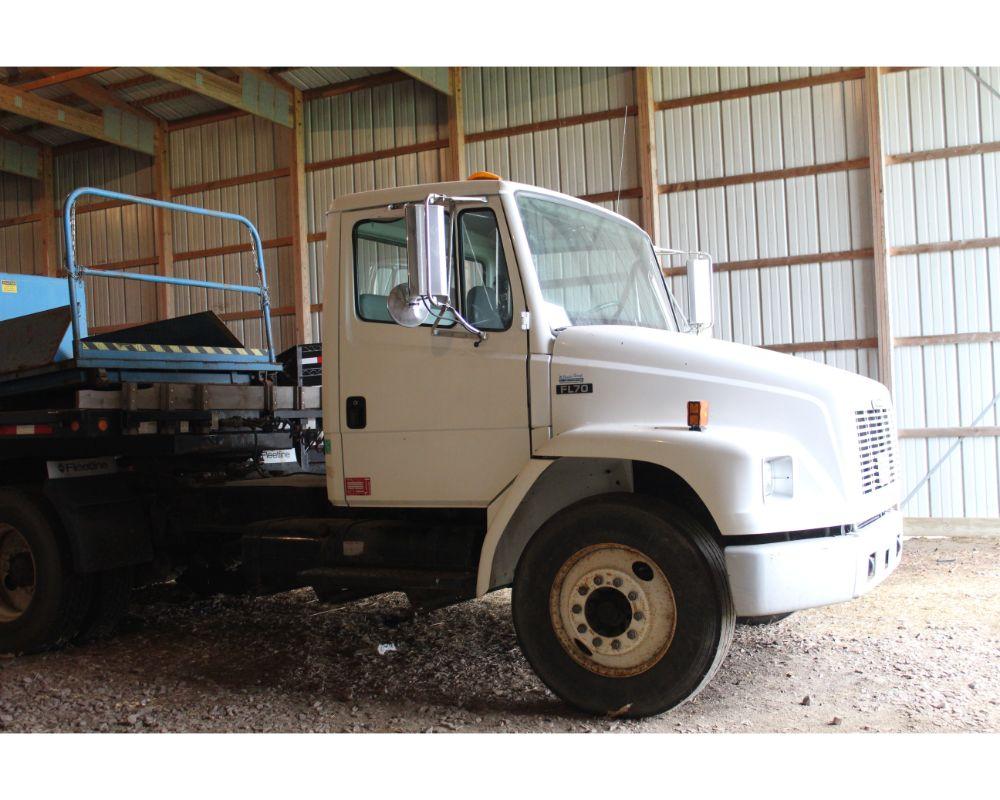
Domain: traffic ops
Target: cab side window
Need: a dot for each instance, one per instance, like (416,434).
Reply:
(480,282)
(379,265)
(486,296)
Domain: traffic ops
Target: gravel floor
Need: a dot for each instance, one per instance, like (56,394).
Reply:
(918,654)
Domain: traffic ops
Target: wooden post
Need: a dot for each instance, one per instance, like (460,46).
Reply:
(456,127)
(646,143)
(163,222)
(45,261)
(876,154)
(300,223)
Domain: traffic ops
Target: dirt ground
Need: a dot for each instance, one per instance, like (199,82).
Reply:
(920,653)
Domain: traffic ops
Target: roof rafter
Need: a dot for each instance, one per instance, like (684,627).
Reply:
(436,77)
(255,93)
(126,129)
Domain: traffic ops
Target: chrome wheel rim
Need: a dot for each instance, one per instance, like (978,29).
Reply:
(613,610)
(17,573)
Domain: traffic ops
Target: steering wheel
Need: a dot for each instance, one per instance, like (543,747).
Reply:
(617,304)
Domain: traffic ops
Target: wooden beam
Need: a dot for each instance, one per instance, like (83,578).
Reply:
(760,177)
(763,88)
(456,127)
(55,76)
(46,225)
(100,97)
(814,347)
(163,224)
(615,194)
(945,247)
(551,124)
(646,144)
(231,249)
(116,127)
(783,261)
(392,152)
(944,152)
(302,324)
(355,85)
(251,94)
(976,337)
(438,78)
(20,155)
(224,183)
(880,249)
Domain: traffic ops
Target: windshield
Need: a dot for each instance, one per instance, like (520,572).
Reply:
(593,268)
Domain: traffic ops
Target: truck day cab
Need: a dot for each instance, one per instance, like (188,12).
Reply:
(512,398)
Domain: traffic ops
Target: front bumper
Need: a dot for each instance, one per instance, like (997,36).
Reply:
(788,576)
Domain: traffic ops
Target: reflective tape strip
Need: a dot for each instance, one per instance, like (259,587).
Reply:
(127,347)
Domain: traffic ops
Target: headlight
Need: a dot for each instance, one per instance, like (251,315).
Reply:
(777,476)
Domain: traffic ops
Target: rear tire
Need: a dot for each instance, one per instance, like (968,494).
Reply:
(622,606)
(42,600)
(108,605)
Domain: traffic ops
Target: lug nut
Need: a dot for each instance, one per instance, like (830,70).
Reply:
(617,582)
(598,641)
(581,628)
(582,590)
(633,596)
(639,616)
(631,634)
(616,645)
(598,580)
(577,608)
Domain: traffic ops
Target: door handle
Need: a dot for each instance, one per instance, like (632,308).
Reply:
(357,414)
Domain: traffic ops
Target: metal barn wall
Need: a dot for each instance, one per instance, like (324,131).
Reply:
(109,235)
(943,211)
(18,237)
(210,165)
(515,126)
(793,252)
(374,138)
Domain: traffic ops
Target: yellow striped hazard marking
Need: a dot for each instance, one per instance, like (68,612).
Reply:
(127,347)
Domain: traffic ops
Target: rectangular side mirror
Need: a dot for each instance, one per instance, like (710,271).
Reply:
(699,281)
(427,251)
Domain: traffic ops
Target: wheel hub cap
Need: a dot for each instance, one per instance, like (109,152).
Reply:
(17,574)
(613,610)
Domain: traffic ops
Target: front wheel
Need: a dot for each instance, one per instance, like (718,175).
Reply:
(622,606)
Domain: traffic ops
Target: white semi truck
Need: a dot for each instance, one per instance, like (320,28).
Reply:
(512,397)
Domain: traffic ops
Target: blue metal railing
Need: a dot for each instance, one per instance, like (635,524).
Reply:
(76,272)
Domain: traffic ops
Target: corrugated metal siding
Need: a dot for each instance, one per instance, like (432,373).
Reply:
(380,118)
(580,159)
(941,200)
(771,219)
(110,235)
(217,151)
(18,197)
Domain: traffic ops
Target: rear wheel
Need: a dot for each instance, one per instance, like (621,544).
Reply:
(622,606)
(42,601)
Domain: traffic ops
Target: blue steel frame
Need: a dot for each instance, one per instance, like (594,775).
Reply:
(76,272)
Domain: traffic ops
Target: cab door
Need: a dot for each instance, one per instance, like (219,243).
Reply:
(431,420)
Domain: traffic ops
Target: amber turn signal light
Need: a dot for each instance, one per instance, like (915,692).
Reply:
(697,414)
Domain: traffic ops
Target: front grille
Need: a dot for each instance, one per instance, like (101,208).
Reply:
(876,452)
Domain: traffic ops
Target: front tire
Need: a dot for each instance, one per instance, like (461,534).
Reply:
(622,606)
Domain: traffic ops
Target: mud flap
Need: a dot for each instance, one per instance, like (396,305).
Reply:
(106,522)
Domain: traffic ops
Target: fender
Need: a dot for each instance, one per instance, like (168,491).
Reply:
(722,465)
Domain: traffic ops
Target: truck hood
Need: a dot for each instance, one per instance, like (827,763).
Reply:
(645,377)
